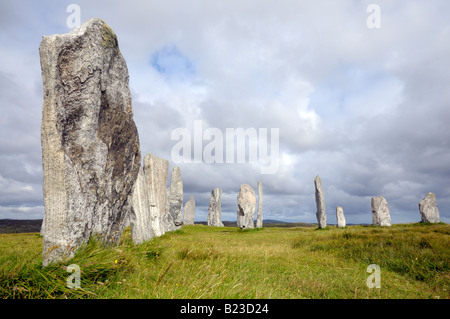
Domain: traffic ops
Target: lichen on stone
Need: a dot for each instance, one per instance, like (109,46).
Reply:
(109,38)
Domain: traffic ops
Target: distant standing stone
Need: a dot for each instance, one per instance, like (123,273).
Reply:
(380,212)
(428,209)
(259,218)
(246,207)
(320,203)
(189,212)
(90,144)
(215,209)
(340,217)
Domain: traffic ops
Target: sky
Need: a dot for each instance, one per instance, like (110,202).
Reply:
(359,96)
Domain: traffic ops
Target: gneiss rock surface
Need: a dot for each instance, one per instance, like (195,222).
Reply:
(429,210)
(174,201)
(246,207)
(320,203)
(259,218)
(215,209)
(90,144)
(380,212)
(156,171)
(340,217)
(189,212)
(141,218)
(149,199)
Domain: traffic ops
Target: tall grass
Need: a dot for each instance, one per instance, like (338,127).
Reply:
(418,251)
(225,262)
(29,279)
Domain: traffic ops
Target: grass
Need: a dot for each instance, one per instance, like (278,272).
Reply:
(225,262)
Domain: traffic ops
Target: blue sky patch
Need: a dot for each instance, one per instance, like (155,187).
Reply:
(171,63)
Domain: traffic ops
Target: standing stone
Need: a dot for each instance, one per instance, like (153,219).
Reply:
(214,209)
(246,207)
(42,227)
(428,209)
(320,203)
(141,220)
(340,217)
(380,212)
(168,222)
(157,170)
(259,218)
(189,212)
(174,201)
(149,199)
(90,144)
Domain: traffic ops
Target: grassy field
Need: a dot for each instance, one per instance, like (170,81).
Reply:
(211,262)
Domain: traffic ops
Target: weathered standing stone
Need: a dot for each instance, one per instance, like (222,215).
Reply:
(156,170)
(259,218)
(167,218)
(141,219)
(380,212)
(90,144)
(215,209)
(42,227)
(189,212)
(174,201)
(149,199)
(429,210)
(340,217)
(320,203)
(246,207)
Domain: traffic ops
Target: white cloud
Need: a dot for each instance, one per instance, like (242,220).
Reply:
(366,109)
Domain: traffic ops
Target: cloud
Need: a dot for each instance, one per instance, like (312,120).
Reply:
(366,109)
(20,154)
(22,212)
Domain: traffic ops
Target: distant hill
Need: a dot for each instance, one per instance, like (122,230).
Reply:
(277,223)
(266,223)
(11,226)
(273,221)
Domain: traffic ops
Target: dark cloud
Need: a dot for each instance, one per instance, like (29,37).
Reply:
(20,153)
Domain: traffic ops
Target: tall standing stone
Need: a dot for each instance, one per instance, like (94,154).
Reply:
(42,227)
(246,207)
(157,170)
(149,199)
(429,210)
(215,209)
(90,144)
(320,203)
(189,212)
(141,219)
(380,212)
(174,201)
(340,217)
(259,218)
